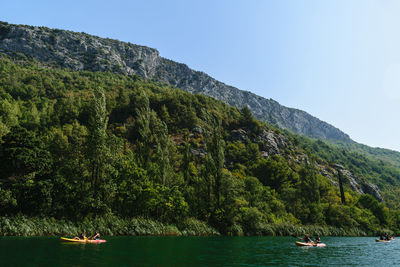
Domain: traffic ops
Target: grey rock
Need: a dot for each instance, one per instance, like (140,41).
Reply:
(338,166)
(200,152)
(275,142)
(198,130)
(359,184)
(238,135)
(372,189)
(81,51)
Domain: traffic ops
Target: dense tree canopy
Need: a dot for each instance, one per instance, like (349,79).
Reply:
(75,145)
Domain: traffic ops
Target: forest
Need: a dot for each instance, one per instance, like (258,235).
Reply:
(99,150)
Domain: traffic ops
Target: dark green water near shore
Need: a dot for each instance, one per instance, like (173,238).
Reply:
(197,251)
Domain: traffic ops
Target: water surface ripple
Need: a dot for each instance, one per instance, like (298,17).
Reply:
(198,251)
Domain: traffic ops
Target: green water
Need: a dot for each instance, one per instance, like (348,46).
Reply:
(197,251)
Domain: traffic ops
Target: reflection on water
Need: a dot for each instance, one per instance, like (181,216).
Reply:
(198,251)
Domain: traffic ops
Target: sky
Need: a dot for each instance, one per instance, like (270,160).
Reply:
(337,60)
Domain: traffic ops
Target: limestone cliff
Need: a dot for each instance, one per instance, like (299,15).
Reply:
(81,51)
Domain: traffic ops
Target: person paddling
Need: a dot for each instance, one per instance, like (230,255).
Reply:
(82,236)
(317,239)
(96,235)
(307,239)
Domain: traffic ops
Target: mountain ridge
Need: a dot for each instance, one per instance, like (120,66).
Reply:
(81,51)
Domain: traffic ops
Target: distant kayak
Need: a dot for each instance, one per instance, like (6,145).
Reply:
(302,244)
(72,240)
(378,240)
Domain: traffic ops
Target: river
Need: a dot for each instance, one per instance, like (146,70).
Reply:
(198,251)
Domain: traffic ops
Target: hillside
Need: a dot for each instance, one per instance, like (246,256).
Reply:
(81,51)
(81,145)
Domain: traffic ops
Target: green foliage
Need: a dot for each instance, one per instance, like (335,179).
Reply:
(368,202)
(107,225)
(126,156)
(383,173)
(274,172)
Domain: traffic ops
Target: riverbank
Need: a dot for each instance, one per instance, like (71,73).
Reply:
(108,226)
(113,226)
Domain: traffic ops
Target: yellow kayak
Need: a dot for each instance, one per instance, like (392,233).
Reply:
(73,240)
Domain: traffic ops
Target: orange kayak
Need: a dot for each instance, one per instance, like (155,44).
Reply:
(72,240)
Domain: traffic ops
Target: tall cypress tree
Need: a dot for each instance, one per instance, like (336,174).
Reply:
(143,118)
(340,177)
(97,150)
(216,159)
(163,143)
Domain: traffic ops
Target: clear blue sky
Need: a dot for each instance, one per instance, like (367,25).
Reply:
(338,60)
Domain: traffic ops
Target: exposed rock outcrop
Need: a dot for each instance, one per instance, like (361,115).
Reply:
(358,184)
(81,51)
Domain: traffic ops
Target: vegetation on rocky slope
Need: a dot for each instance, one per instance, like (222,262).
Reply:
(79,146)
(81,51)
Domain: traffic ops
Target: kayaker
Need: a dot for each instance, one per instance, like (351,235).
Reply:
(381,237)
(307,239)
(96,235)
(317,239)
(82,236)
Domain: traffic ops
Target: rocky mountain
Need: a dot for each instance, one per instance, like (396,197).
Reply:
(81,51)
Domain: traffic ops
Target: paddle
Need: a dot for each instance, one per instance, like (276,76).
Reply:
(312,242)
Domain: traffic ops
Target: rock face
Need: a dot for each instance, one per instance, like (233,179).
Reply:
(357,184)
(275,143)
(80,51)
